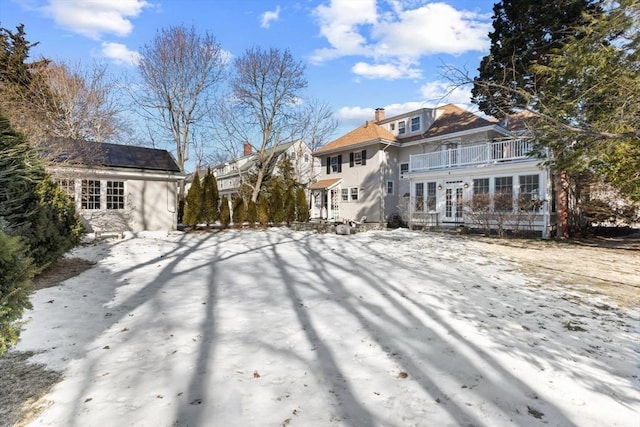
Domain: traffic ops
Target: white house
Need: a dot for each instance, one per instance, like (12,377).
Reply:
(433,167)
(231,174)
(120,188)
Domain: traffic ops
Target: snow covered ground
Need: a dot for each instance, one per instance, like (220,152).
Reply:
(284,328)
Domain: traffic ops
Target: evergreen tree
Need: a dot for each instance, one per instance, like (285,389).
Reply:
(193,203)
(210,199)
(302,206)
(225,215)
(239,212)
(252,213)
(276,202)
(263,209)
(289,205)
(525,33)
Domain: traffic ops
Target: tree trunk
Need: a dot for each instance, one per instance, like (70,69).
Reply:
(562,205)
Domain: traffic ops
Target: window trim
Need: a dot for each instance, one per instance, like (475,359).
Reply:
(402,127)
(415,127)
(403,174)
(390,185)
(354,194)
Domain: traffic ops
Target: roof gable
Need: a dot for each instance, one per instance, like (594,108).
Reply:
(369,132)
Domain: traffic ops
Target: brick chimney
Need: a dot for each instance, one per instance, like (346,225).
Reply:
(379,115)
(247,149)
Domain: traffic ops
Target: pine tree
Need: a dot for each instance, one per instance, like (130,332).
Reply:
(263,209)
(302,206)
(193,203)
(225,215)
(252,213)
(276,203)
(289,205)
(210,199)
(239,212)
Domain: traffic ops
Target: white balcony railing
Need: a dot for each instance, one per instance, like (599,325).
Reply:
(491,152)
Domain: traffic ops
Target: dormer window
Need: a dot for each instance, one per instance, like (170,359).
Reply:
(402,127)
(415,124)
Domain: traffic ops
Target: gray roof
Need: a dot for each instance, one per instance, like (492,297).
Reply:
(120,156)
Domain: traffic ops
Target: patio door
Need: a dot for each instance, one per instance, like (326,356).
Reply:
(335,204)
(453,203)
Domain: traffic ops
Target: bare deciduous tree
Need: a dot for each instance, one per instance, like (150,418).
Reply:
(266,88)
(180,70)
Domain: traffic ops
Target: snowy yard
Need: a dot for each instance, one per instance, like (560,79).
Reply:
(283,328)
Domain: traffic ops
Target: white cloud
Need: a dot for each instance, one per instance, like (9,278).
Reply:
(438,93)
(397,37)
(94,18)
(340,23)
(269,16)
(385,71)
(120,54)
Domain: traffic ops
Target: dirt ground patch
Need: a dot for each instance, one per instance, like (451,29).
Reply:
(608,267)
(61,270)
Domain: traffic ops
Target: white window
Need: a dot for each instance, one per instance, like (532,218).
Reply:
(404,169)
(393,126)
(293,155)
(402,127)
(334,164)
(115,195)
(354,193)
(68,186)
(389,187)
(415,124)
(345,194)
(306,157)
(357,157)
(90,194)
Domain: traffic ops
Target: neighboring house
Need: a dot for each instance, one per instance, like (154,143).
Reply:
(431,166)
(120,188)
(231,174)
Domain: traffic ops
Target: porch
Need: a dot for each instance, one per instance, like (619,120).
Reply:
(487,153)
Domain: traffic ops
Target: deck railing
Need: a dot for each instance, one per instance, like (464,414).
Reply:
(490,152)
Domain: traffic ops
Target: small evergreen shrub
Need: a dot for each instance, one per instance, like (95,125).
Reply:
(263,210)
(302,206)
(193,203)
(225,215)
(210,199)
(289,205)
(239,212)
(16,271)
(252,213)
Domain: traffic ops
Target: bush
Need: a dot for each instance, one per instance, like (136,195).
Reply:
(289,206)
(252,213)
(302,206)
(263,210)
(16,271)
(225,217)
(193,203)
(239,212)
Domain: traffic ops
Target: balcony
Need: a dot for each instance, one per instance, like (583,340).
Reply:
(488,153)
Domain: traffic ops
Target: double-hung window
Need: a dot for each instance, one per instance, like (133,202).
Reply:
(528,199)
(415,124)
(431,197)
(354,194)
(503,193)
(334,164)
(358,158)
(402,127)
(345,194)
(404,169)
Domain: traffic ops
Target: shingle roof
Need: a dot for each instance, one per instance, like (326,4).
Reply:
(116,155)
(454,119)
(368,132)
(325,183)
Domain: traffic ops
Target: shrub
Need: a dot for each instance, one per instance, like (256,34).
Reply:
(225,217)
(263,210)
(16,271)
(239,212)
(289,206)
(302,206)
(252,213)
(210,199)
(193,203)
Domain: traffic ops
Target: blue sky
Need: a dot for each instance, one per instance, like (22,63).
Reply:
(360,54)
